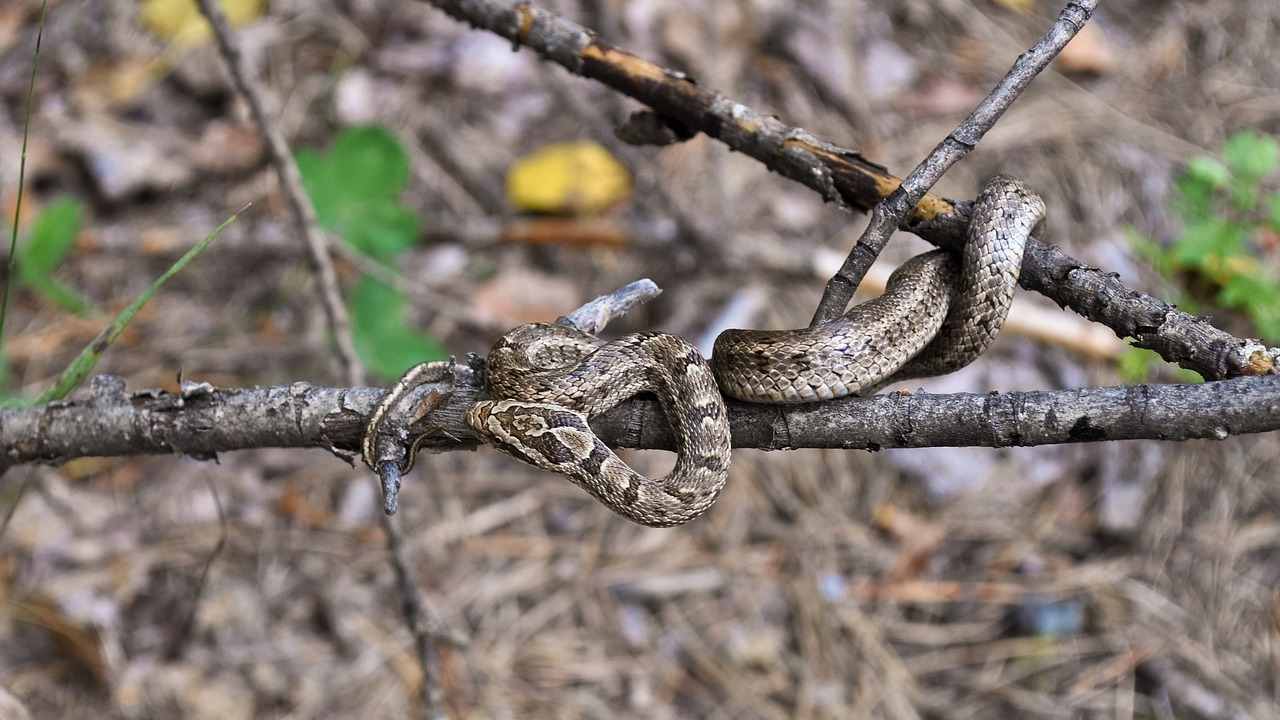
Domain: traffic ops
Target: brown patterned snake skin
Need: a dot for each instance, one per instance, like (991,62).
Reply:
(936,315)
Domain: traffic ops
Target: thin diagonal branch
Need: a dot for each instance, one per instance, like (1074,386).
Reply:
(415,616)
(304,219)
(889,213)
(845,177)
(300,208)
(178,642)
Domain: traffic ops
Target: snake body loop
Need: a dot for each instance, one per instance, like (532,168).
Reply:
(552,378)
(937,314)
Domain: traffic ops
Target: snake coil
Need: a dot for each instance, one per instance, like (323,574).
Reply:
(937,314)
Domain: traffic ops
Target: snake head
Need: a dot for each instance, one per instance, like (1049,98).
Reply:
(532,350)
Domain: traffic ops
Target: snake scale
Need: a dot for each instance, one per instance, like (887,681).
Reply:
(936,315)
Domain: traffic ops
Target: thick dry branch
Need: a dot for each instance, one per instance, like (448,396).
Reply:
(843,176)
(107,421)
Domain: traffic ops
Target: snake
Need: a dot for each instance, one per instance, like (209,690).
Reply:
(938,312)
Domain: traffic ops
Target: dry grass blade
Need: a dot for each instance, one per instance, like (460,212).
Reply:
(22,176)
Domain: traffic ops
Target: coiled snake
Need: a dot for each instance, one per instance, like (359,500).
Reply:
(936,315)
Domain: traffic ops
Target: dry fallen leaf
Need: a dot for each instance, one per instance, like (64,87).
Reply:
(579,178)
(124,158)
(940,96)
(1087,53)
(519,296)
(570,232)
(226,147)
(1018,6)
(109,85)
(180,21)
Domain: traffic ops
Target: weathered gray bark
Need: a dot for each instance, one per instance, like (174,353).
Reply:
(105,420)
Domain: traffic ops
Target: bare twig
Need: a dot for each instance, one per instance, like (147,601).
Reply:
(411,606)
(304,215)
(178,643)
(596,314)
(304,218)
(889,213)
(843,176)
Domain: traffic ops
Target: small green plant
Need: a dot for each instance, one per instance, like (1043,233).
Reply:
(35,260)
(1231,224)
(355,186)
(1136,365)
(50,241)
(75,373)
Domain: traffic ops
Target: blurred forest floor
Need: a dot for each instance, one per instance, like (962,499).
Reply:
(1114,580)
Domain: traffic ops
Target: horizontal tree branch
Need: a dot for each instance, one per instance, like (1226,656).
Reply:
(105,420)
(845,177)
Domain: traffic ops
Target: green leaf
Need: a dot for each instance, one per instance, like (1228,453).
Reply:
(1267,324)
(56,292)
(79,369)
(355,187)
(52,236)
(1266,320)
(1184,375)
(1273,203)
(1264,309)
(1244,196)
(324,189)
(1208,171)
(1137,365)
(1259,297)
(1211,237)
(385,344)
(370,163)
(380,229)
(1241,291)
(1153,252)
(1250,155)
(1134,364)
(1194,199)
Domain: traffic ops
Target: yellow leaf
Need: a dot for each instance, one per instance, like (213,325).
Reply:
(579,178)
(1019,6)
(111,84)
(180,21)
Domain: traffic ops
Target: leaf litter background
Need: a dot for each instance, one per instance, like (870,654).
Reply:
(1126,580)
